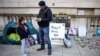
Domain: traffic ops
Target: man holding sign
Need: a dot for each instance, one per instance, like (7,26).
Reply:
(43,19)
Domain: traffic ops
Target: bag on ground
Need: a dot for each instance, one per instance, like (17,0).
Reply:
(67,43)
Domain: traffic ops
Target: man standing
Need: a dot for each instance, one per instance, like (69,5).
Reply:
(43,19)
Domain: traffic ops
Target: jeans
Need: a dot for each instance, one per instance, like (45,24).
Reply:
(24,45)
(44,37)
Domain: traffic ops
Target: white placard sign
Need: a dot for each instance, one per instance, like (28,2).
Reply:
(57,33)
(82,31)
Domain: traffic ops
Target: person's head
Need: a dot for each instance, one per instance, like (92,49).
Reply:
(21,21)
(42,4)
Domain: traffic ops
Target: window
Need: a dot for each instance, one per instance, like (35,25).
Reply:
(81,12)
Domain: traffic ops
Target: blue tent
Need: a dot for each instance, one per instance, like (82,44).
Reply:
(98,32)
(11,28)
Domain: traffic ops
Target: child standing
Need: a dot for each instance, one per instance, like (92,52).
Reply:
(23,32)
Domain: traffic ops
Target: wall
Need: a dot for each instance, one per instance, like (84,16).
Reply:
(19,10)
(64,10)
(67,6)
(30,6)
(58,3)
(97,12)
(78,22)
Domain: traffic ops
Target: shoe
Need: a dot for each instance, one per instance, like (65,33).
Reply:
(49,52)
(25,55)
(40,49)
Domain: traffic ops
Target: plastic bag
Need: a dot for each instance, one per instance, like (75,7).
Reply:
(67,43)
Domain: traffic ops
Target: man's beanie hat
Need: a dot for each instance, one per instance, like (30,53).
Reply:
(42,3)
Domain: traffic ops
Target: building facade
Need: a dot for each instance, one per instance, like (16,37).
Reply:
(85,13)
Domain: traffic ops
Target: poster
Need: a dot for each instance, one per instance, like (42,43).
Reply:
(57,33)
(82,31)
(72,31)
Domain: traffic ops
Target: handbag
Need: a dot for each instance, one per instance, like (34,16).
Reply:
(31,40)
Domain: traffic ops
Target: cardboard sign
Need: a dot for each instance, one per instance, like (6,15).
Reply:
(82,31)
(57,33)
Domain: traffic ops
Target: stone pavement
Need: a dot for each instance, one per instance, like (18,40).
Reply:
(76,50)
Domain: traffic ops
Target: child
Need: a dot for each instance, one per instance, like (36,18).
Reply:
(23,32)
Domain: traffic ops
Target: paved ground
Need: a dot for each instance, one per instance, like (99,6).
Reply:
(76,50)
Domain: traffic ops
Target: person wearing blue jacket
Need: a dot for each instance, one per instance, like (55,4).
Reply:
(44,17)
(24,33)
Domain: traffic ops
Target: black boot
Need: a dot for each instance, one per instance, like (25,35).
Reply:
(49,52)
(40,49)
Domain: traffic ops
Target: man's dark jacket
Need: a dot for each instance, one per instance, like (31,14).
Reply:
(46,16)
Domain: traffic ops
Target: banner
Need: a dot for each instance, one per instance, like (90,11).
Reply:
(57,33)
(72,31)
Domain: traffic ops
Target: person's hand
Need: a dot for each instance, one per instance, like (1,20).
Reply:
(38,19)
